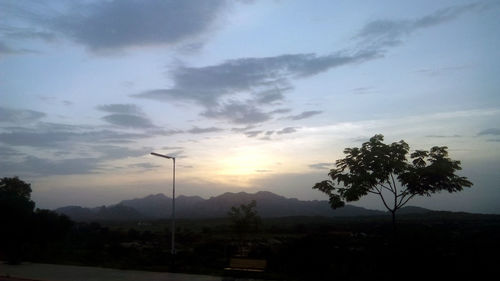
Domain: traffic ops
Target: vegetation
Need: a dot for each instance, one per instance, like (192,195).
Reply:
(384,170)
(244,218)
(450,245)
(25,231)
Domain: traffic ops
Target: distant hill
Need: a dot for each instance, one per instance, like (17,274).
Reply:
(269,205)
(112,213)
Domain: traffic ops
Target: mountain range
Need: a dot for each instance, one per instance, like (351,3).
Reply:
(159,206)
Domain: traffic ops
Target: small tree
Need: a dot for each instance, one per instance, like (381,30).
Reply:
(385,171)
(244,218)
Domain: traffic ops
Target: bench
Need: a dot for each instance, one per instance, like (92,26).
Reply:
(244,264)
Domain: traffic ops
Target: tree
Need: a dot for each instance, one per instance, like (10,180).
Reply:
(16,215)
(15,187)
(244,218)
(385,171)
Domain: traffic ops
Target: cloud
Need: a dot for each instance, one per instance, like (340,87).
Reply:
(7,152)
(144,166)
(121,108)
(246,128)
(321,166)
(304,115)
(263,171)
(19,115)
(443,136)
(252,134)
(197,130)
(491,131)
(172,147)
(113,152)
(238,113)
(280,111)
(50,135)
(207,85)
(104,26)
(385,33)
(128,121)
(7,50)
(45,167)
(287,130)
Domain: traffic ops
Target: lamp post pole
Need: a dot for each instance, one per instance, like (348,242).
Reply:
(172,251)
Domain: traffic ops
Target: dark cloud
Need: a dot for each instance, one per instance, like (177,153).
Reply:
(385,33)
(31,165)
(321,166)
(172,147)
(121,108)
(112,152)
(491,131)
(50,135)
(108,25)
(238,113)
(280,111)
(271,95)
(7,152)
(362,90)
(144,166)
(129,121)
(11,32)
(246,128)
(287,130)
(252,134)
(206,85)
(304,115)
(443,136)
(7,50)
(197,130)
(19,115)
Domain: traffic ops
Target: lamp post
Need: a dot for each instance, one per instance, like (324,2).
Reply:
(173,204)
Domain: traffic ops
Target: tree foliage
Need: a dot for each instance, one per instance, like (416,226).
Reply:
(22,228)
(244,218)
(15,187)
(384,170)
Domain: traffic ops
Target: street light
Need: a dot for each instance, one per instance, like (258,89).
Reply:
(173,203)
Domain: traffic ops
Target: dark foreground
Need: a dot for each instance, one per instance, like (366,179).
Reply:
(426,246)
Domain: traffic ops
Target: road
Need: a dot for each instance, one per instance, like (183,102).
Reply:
(53,272)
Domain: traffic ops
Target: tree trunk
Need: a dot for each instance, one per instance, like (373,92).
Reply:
(393,213)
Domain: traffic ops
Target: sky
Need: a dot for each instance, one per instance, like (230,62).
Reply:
(247,95)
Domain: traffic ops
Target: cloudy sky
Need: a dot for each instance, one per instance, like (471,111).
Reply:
(248,95)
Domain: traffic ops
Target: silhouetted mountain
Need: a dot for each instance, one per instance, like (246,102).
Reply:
(160,206)
(413,210)
(112,213)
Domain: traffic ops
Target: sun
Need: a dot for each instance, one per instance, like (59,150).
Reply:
(244,161)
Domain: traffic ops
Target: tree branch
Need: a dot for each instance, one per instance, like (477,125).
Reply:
(401,203)
(389,189)
(385,204)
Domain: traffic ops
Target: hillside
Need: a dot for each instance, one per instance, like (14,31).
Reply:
(159,206)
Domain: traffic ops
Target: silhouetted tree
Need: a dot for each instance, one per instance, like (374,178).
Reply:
(385,171)
(22,229)
(244,220)
(16,216)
